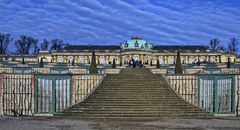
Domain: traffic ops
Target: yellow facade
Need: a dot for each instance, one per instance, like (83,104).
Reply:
(135,49)
(146,58)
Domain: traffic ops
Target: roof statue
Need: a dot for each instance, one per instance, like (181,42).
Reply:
(136,43)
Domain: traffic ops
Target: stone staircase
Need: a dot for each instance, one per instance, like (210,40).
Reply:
(134,93)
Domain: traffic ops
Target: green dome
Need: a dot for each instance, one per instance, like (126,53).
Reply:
(136,43)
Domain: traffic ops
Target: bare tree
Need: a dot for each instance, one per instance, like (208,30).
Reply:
(232,45)
(221,47)
(25,43)
(57,44)
(214,44)
(36,48)
(5,39)
(44,45)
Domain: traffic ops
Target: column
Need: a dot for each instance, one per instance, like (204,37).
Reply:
(186,60)
(96,58)
(64,59)
(206,58)
(106,59)
(85,59)
(166,60)
(75,59)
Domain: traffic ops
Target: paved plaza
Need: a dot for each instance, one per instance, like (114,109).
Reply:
(50,123)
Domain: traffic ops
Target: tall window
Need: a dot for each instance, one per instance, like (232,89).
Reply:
(146,45)
(136,44)
(126,45)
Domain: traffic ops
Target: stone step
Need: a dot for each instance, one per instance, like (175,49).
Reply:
(147,99)
(123,107)
(120,103)
(136,104)
(134,87)
(145,102)
(87,115)
(134,109)
(132,92)
(141,84)
(120,88)
(135,92)
(147,78)
(137,88)
(120,97)
(132,118)
(138,96)
(135,112)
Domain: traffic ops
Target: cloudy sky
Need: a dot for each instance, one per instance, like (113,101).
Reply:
(166,22)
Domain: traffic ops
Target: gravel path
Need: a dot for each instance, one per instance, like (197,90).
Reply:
(45,123)
(5,118)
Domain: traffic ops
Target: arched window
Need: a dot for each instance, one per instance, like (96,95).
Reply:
(126,45)
(146,45)
(136,44)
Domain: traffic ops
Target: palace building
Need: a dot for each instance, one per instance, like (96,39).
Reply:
(135,49)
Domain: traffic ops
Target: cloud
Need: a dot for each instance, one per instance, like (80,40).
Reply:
(111,22)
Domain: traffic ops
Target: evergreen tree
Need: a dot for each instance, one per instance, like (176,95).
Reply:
(198,63)
(140,64)
(158,64)
(41,64)
(93,65)
(228,63)
(73,63)
(120,64)
(178,65)
(113,64)
(23,61)
(13,59)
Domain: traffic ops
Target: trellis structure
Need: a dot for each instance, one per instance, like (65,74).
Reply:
(17,94)
(185,86)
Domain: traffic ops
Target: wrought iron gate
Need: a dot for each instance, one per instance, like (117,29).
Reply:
(53,93)
(217,93)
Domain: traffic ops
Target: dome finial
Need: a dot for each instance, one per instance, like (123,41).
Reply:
(136,38)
